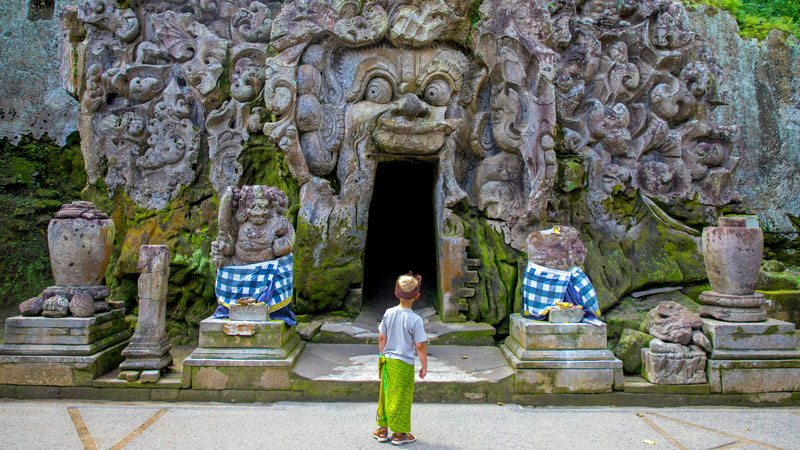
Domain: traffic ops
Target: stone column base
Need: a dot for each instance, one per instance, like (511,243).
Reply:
(561,358)
(753,357)
(243,355)
(49,370)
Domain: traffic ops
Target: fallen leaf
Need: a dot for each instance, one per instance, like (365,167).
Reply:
(500,404)
(747,429)
(649,442)
(639,415)
(465,357)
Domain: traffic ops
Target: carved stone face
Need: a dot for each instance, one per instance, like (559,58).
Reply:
(412,95)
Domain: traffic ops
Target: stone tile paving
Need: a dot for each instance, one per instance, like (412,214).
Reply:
(287,425)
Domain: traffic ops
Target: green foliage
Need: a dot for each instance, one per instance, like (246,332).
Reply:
(756,18)
(36,177)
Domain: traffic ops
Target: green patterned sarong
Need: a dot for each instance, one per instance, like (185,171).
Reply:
(396,394)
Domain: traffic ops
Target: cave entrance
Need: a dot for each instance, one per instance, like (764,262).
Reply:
(401,233)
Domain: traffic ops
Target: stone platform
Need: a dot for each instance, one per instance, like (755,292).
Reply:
(753,357)
(65,351)
(243,355)
(553,358)
(364,329)
(459,374)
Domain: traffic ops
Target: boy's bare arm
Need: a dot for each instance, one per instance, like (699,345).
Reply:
(381,342)
(422,351)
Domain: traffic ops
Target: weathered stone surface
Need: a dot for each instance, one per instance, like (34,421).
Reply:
(150,376)
(40,106)
(659,346)
(81,305)
(700,339)
(761,76)
(753,376)
(269,334)
(80,248)
(97,292)
(56,306)
(755,300)
(671,330)
(252,226)
(533,334)
(561,250)
(729,314)
(128,375)
(149,346)
(307,331)
(252,313)
(674,368)
(732,253)
(629,349)
(51,370)
(771,335)
(680,313)
(32,306)
(565,315)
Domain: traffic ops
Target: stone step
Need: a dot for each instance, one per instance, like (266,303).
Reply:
(455,373)
(439,333)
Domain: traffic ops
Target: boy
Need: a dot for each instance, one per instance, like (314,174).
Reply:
(402,337)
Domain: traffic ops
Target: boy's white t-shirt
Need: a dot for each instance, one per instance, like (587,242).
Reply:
(404,330)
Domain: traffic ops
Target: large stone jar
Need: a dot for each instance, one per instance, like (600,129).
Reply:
(80,240)
(732,254)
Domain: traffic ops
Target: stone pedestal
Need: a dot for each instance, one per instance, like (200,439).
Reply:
(734,308)
(148,351)
(753,357)
(243,355)
(66,351)
(551,358)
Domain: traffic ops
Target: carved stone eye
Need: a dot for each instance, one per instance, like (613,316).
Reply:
(379,90)
(437,93)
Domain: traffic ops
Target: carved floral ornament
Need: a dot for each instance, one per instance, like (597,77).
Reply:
(492,94)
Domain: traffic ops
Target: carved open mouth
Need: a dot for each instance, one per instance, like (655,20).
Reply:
(396,136)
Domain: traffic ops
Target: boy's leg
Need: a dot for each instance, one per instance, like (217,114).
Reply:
(399,395)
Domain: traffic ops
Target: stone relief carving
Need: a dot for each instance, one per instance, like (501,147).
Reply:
(492,95)
(252,227)
(164,81)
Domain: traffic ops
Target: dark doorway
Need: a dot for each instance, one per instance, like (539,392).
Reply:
(401,233)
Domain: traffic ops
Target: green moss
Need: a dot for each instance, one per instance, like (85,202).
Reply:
(756,18)
(495,292)
(36,177)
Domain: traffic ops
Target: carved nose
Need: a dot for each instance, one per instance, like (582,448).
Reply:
(411,107)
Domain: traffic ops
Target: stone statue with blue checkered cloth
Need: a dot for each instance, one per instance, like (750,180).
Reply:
(553,275)
(253,253)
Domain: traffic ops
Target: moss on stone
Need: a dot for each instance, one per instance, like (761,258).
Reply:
(495,292)
(36,177)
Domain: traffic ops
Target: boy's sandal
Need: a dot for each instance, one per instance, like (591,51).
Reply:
(381,434)
(404,438)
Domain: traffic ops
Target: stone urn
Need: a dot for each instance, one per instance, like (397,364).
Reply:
(732,255)
(80,239)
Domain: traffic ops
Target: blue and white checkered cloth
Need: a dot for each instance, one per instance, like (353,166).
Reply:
(269,282)
(543,287)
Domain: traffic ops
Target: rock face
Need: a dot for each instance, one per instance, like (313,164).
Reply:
(56,306)
(762,78)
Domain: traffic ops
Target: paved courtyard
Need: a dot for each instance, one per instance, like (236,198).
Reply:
(285,425)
